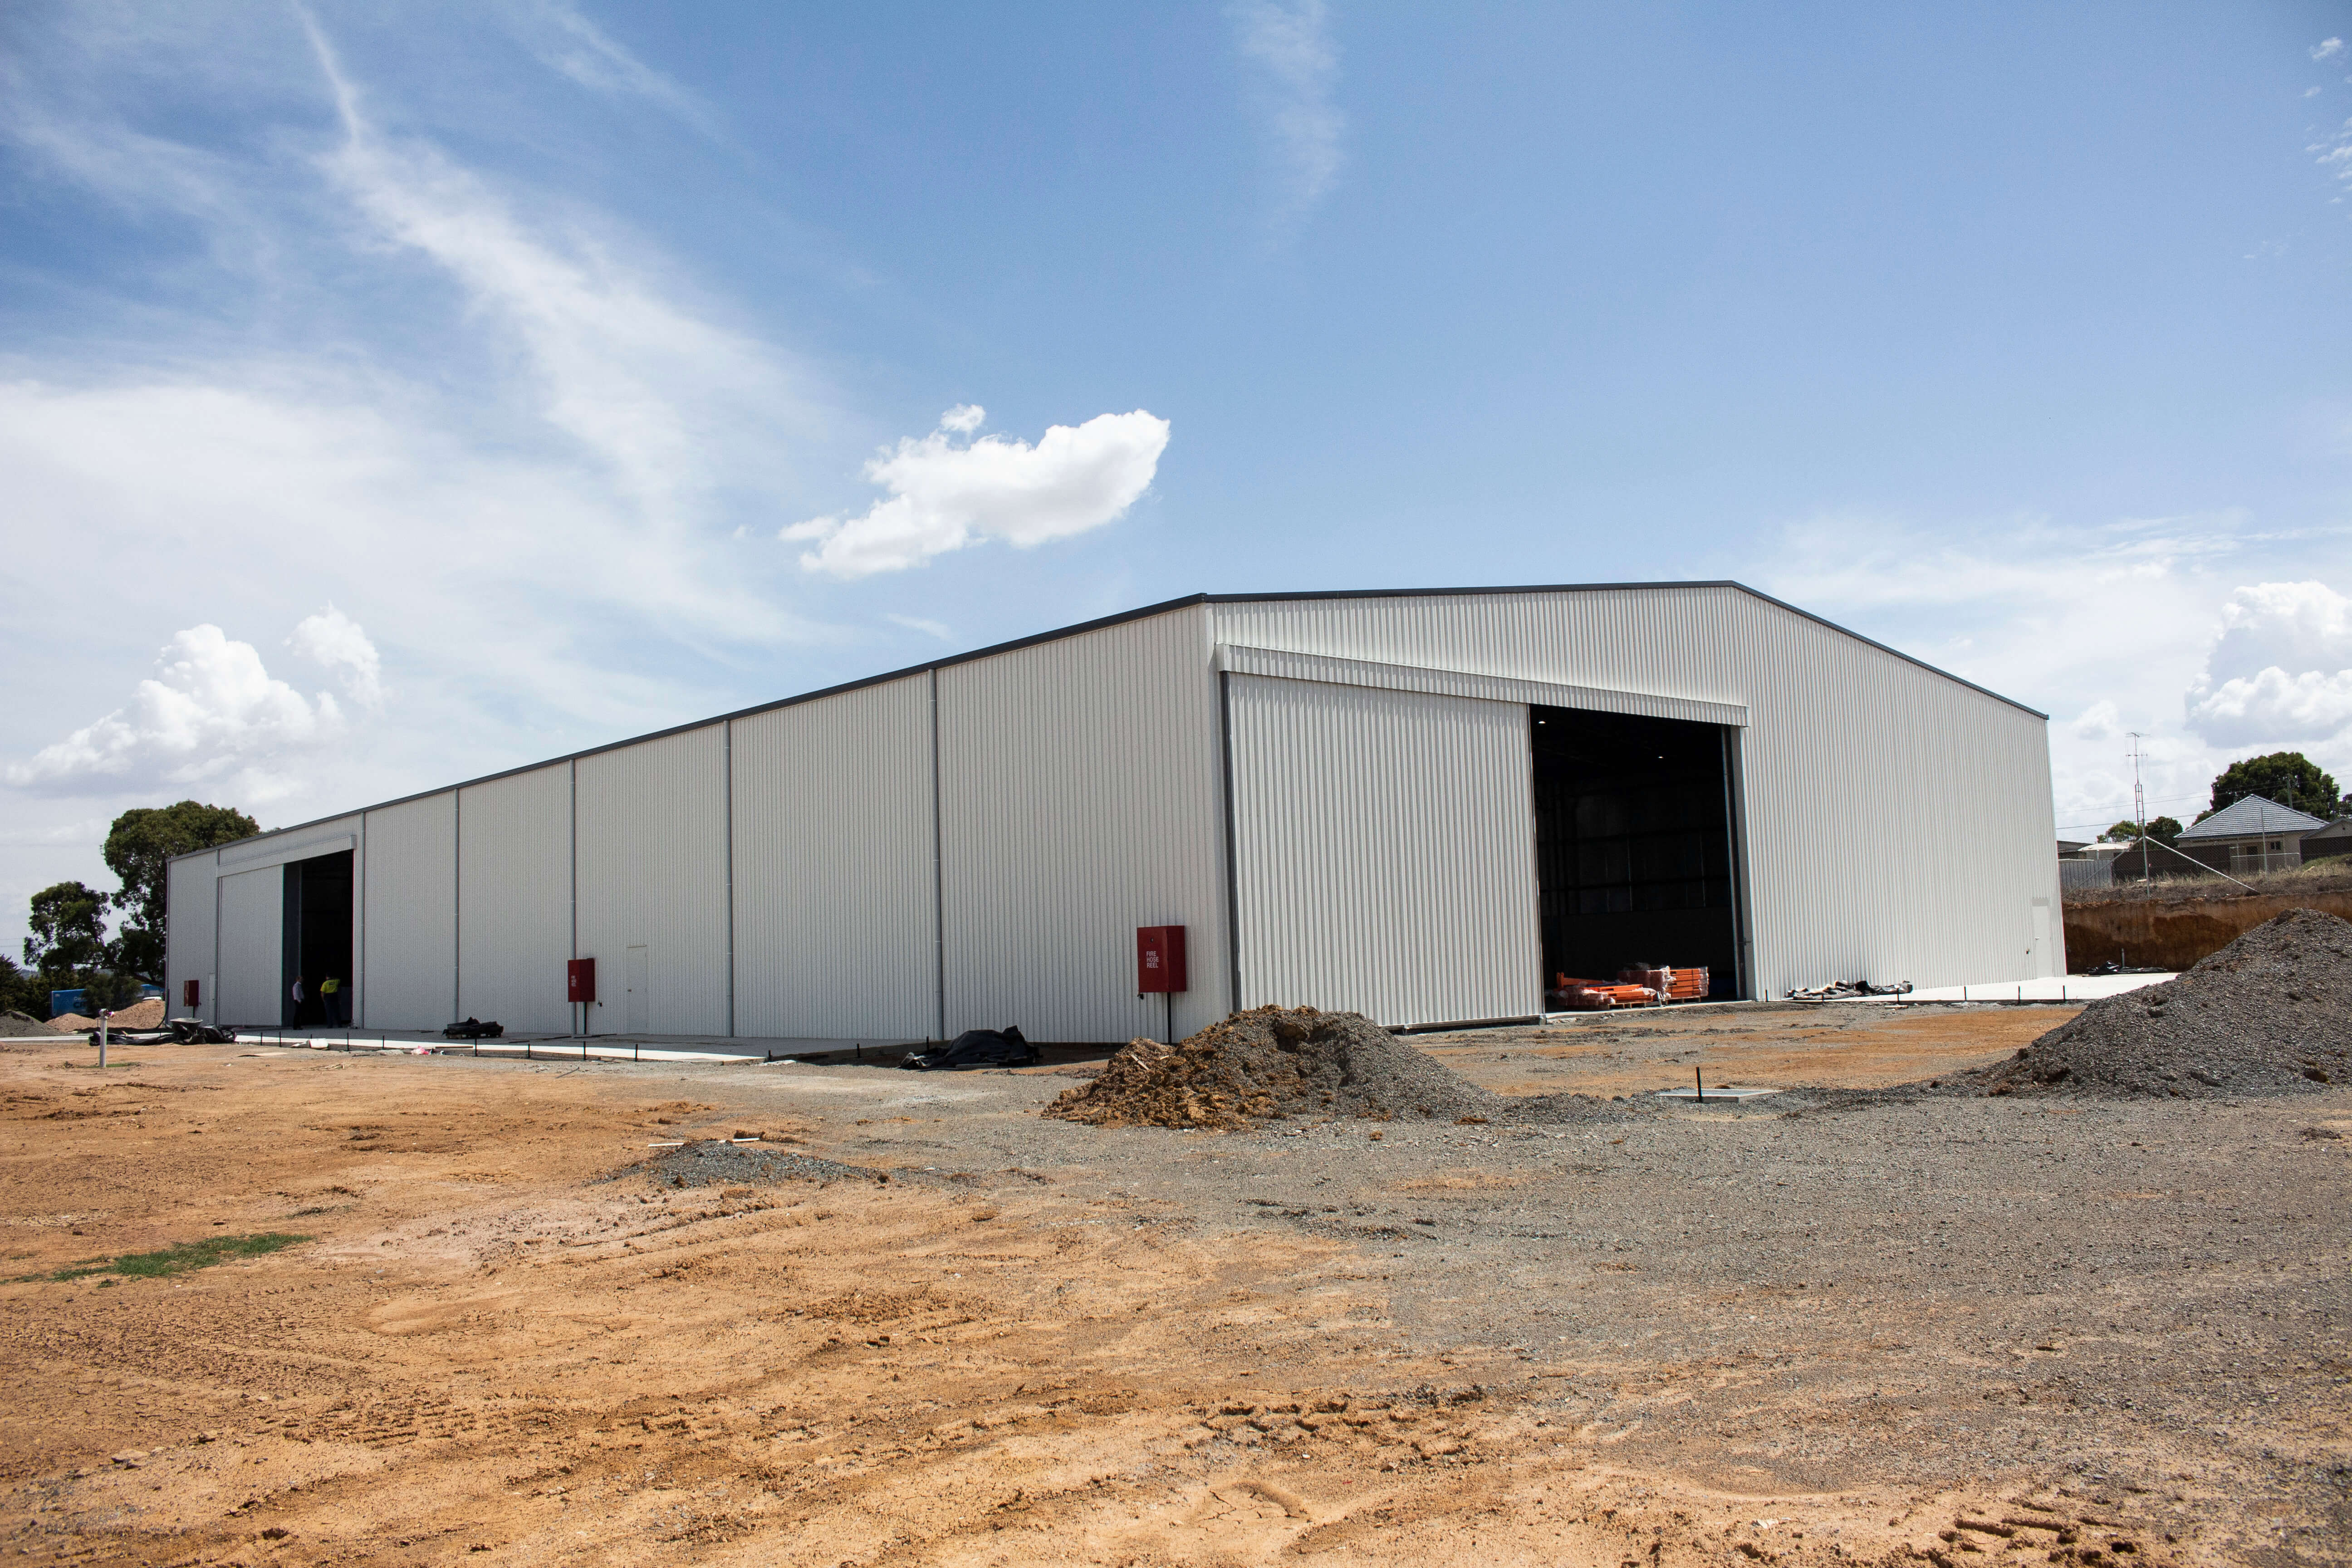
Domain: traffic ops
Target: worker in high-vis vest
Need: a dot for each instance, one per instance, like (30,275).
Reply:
(330,997)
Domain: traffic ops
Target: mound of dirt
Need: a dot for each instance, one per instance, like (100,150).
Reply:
(144,1014)
(2270,1012)
(17,1026)
(1275,1062)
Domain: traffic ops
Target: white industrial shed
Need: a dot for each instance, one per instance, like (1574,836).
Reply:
(1416,805)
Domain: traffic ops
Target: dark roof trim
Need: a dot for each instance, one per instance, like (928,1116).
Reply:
(1146,611)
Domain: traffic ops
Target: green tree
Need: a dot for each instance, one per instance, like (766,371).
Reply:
(2163,830)
(139,849)
(69,938)
(20,991)
(2289,778)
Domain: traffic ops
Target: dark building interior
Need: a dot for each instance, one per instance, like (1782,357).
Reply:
(318,937)
(1633,839)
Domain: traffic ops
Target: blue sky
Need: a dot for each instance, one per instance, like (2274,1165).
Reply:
(393,393)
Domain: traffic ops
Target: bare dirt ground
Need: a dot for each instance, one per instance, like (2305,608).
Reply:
(1801,1329)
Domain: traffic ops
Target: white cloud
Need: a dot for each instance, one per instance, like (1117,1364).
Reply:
(211,714)
(636,381)
(917,624)
(2099,722)
(332,639)
(2335,156)
(2328,48)
(944,497)
(2281,669)
(567,42)
(1287,44)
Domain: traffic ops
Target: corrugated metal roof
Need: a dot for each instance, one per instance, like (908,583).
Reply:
(2251,817)
(1161,608)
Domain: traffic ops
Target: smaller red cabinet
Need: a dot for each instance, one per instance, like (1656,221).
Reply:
(1160,959)
(580,980)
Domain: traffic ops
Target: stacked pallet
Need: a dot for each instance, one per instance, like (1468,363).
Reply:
(1588,995)
(1687,984)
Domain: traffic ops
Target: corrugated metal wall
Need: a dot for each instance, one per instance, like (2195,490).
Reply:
(514,885)
(252,946)
(1384,852)
(408,931)
(1849,755)
(1080,798)
(835,931)
(189,906)
(653,873)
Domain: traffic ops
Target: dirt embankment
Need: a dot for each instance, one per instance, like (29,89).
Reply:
(2170,935)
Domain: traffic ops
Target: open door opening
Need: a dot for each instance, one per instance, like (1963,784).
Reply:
(1634,847)
(318,942)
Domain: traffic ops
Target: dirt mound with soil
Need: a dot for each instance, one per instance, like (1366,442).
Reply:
(24,1026)
(2270,1012)
(1272,1063)
(143,1015)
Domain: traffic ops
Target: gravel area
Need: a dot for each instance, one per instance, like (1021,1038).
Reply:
(712,1162)
(2138,1299)
(2270,1013)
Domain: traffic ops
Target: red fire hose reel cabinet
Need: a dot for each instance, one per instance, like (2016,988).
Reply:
(1159,959)
(580,980)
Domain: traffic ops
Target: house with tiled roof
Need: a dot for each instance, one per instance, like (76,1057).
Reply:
(2250,834)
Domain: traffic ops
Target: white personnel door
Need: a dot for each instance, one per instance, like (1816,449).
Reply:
(637,974)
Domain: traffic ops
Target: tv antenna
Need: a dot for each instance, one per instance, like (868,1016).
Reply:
(2139,805)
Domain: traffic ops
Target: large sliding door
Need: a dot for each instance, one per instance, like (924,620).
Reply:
(1383,851)
(253,947)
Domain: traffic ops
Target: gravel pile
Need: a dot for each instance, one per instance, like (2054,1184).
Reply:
(718,1164)
(2270,1013)
(24,1026)
(1275,1063)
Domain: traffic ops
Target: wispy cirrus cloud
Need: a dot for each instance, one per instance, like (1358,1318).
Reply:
(499,434)
(569,43)
(1294,69)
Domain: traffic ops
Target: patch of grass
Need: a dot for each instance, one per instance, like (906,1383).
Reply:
(179,1259)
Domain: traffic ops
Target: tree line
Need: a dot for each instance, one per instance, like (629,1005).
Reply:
(69,948)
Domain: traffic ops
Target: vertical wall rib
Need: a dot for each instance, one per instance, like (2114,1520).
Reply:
(410,923)
(836,934)
(653,873)
(514,896)
(1079,800)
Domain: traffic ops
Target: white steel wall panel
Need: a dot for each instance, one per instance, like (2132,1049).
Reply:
(835,936)
(1385,852)
(1848,748)
(653,874)
(252,946)
(188,933)
(408,926)
(1081,797)
(514,900)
